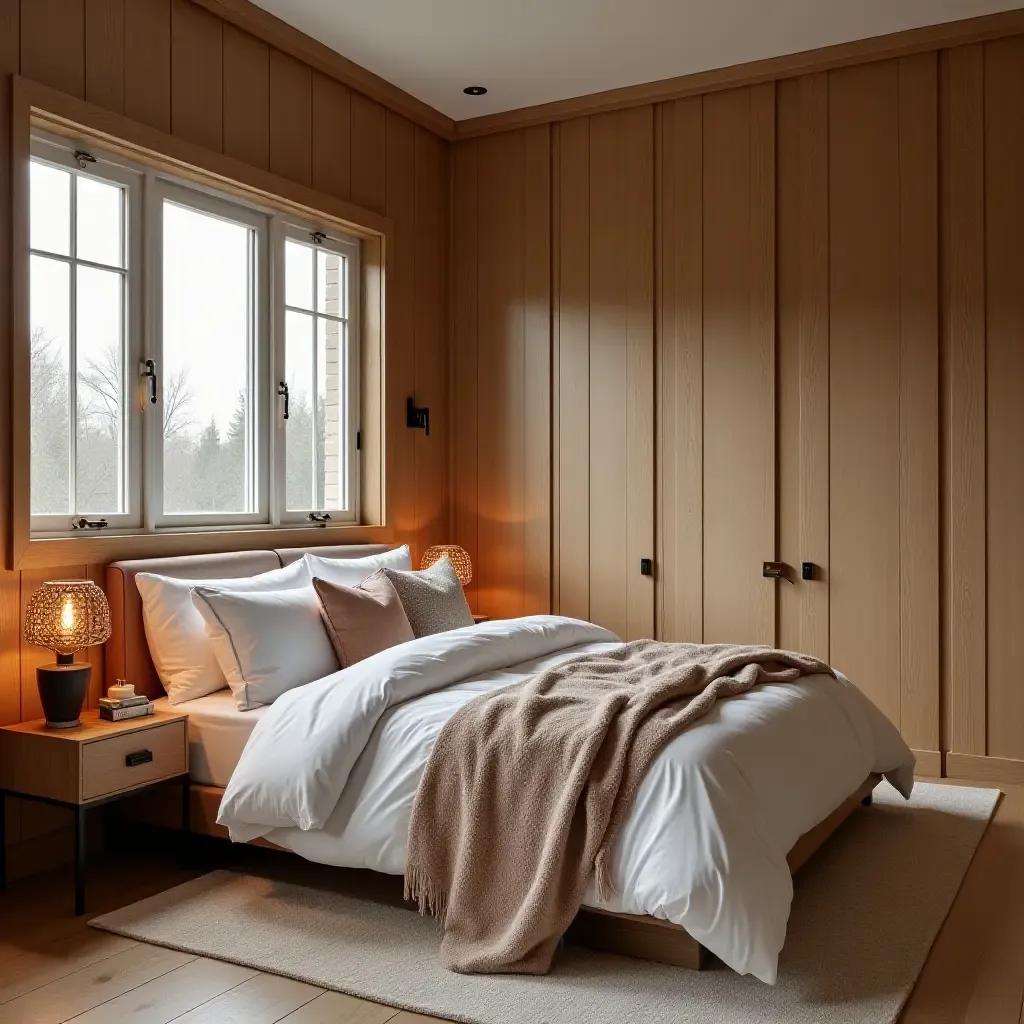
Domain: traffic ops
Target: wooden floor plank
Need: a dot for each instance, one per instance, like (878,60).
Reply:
(75,993)
(335,1008)
(32,970)
(264,999)
(168,997)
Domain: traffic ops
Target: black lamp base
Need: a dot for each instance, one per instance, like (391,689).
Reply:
(62,692)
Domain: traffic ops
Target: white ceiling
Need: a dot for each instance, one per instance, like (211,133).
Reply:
(534,51)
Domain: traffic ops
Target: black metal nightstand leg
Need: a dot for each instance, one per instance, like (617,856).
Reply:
(79,861)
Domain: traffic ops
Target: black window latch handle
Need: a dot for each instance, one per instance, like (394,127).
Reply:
(282,392)
(147,369)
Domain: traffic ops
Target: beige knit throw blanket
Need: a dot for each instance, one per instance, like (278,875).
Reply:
(527,787)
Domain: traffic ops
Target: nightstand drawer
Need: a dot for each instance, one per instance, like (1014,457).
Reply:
(121,762)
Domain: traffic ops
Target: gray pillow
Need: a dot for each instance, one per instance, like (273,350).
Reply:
(433,599)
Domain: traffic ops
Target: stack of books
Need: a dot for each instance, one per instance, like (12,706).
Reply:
(128,707)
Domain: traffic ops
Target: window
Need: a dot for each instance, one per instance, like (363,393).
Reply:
(193,357)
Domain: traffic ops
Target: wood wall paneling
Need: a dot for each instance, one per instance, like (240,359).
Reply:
(919,401)
(465,391)
(1004,320)
(802,354)
(500,375)
(147,62)
(430,463)
(963,382)
(291,113)
(197,75)
(621,398)
(679,360)
(537,369)
(52,43)
(864,332)
(739,364)
(332,137)
(368,134)
(573,314)
(104,53)
(248,105)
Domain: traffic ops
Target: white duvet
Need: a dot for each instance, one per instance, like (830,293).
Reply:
(331,769)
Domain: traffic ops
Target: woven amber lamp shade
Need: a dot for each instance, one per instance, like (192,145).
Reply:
(67,615)
(457,556)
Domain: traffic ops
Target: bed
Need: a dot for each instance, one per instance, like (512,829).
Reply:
(645,917)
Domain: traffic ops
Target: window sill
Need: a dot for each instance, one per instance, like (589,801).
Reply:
(90,548)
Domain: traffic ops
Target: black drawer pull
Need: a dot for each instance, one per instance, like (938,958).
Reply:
(139,757)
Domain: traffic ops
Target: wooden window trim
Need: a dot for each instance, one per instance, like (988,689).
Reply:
(38,107)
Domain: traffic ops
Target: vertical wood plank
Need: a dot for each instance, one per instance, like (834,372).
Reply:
(332,146)
(367,150)
(291,112)
(53,43)
(573,314)
(537,369)
(500,248)
(465,386)
(147,62)
(739,365)
(679,373)
(803,400)
(197,75)
(919,401)
(1004,264)
(963,381)
(399,176)
(247,99)
(431,369)
(622,370)
(864,313)
(10,62)
(104,53)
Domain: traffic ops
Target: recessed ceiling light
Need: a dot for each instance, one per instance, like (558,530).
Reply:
(474,90)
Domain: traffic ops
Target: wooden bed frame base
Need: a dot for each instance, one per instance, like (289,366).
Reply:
(642,937)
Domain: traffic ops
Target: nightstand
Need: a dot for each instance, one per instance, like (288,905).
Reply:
(477,619)
(91,764)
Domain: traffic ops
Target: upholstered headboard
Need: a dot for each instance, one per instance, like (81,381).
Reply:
(127,653)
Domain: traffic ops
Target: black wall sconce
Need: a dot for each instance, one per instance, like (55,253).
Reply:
(417,417)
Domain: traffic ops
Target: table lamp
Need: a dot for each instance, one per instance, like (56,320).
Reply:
(65,616)
(457,556)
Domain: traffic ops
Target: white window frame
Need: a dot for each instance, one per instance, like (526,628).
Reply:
(142,420)
(159,190)
(309,234)
(47,150)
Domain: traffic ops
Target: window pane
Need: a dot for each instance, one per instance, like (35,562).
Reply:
(207,342)
(332,425)
(100,212)
(100,358)
(50,209)
(298,275)
(300,428)
(330,284)
(50,313)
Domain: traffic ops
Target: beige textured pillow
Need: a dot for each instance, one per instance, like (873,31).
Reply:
(362,620)
(432,598)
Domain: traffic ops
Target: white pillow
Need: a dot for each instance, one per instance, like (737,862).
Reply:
(266,642)
(178,644)
(350,572)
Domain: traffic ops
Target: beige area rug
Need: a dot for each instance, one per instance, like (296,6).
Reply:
(868,908)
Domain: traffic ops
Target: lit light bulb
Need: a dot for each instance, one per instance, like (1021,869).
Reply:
(67,616)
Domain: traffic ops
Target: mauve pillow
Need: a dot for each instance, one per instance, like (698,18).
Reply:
(362,620)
